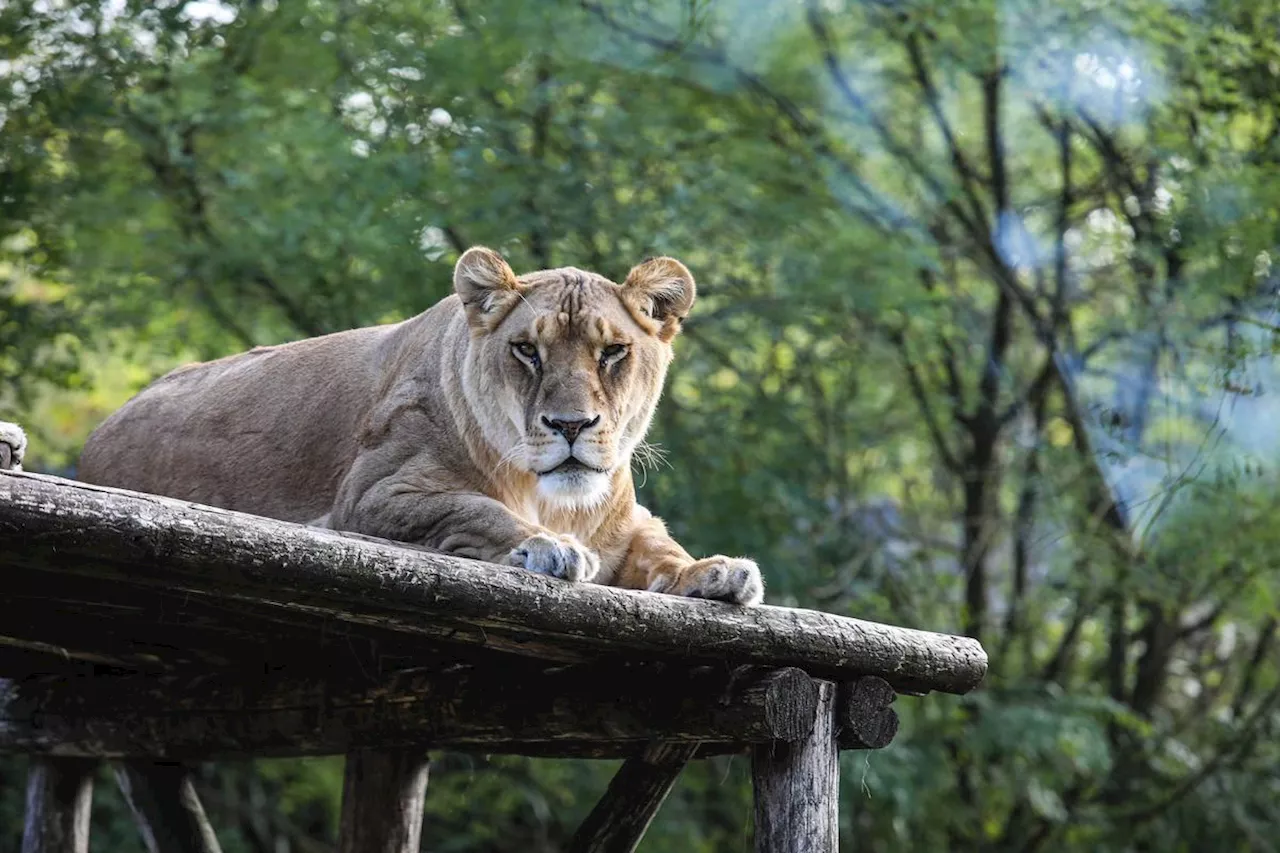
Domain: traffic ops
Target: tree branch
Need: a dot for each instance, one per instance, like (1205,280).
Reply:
(945,453)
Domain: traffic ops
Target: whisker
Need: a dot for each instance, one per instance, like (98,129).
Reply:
(651,456)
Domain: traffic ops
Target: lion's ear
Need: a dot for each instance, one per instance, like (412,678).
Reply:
(486,285)
(661,290)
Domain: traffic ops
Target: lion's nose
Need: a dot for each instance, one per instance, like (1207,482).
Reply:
(570,427)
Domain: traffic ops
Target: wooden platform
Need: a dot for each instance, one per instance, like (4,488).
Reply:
(153,632)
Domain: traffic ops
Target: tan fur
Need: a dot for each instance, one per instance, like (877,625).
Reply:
(447,430)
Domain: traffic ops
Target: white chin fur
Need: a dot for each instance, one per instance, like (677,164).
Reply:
(574,489)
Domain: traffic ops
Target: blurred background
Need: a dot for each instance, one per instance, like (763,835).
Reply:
(985,344)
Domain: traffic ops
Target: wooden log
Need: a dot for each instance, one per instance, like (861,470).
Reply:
(797,788)
(59,796)
(619,820)
(76,529)
(213,716)
(865,718)
(165,807)
(382,800)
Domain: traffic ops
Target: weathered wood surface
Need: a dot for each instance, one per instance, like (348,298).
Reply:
(618,709)
(865,718)
(80,620)
(68,528)
(165,807)
(797,787)
(383,794)
(151,629)
(619,820)
(59,795)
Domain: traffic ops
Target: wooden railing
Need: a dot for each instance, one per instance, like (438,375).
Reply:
(152,633)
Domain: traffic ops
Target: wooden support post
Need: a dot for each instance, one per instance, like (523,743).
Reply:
(797,787)
(166,807)
(59,793)
(382,799)
(619,820)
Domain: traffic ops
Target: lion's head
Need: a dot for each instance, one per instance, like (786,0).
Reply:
(565,367)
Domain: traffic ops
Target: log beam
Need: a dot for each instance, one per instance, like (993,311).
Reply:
(797,787)
(563,710)
(59,795)
(865,718)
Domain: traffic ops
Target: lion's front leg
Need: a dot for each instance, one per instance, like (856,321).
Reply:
(463,524)
(13,446)
(656,562)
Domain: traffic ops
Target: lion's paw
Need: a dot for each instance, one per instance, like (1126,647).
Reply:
(561,556)
(13,446)
(731,579)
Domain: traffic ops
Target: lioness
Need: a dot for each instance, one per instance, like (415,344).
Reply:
(498,425)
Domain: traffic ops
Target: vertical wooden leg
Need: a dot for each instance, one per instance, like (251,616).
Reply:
(797,787)
(382,799)
(59,794)
(166,807)
(619,820)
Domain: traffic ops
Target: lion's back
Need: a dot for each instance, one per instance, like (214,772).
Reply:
(270,431)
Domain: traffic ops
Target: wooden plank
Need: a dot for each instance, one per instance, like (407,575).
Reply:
(618,822)
(382,799)
(165,807)
(59,796)
(464,707)
(797,787)
(76,529)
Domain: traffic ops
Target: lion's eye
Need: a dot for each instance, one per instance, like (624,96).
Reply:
(612,353)
(528,352)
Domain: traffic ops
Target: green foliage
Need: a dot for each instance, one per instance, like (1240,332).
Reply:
(984,340)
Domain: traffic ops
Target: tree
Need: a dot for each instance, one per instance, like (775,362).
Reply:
(980,345)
